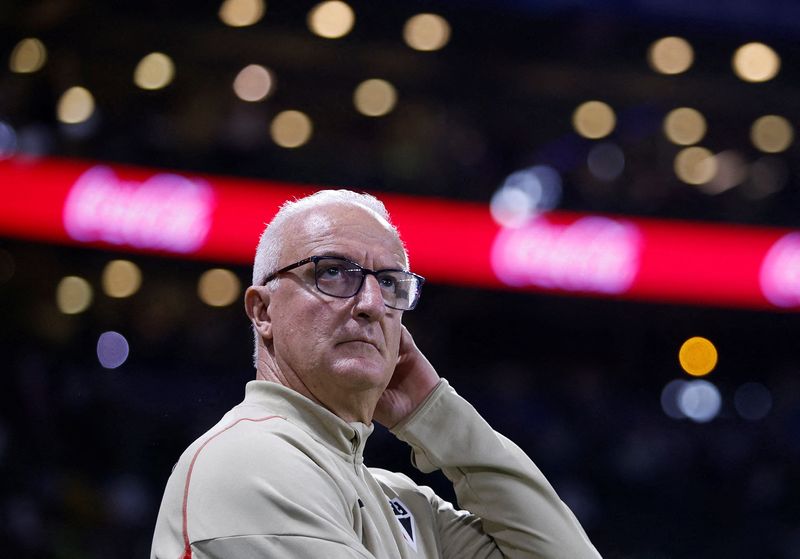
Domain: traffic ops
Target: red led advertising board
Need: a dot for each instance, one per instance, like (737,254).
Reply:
(220,219)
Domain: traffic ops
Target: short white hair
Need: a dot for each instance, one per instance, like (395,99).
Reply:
(270,245)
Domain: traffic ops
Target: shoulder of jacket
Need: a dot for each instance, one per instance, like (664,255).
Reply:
(238,438)
(395,480)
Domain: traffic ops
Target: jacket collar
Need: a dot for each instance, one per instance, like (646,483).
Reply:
(323,425)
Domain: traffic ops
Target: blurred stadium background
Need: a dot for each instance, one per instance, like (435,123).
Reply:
(662,401)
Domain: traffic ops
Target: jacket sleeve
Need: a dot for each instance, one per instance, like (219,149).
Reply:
(499,487)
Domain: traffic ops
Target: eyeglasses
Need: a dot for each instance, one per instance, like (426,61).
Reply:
(339,277)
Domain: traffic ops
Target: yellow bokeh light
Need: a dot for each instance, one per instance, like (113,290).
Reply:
(154,71)
(218,287)
(684,126)
(241,13)
(697,356)
(594,120)
(75,105)
(332,19)
(695,165)
(29,55)
(291,129)
(253,83)
(73,295)
(670,55)
(772,134)
(121,278)
(756,62)
(426,32)
(375,97)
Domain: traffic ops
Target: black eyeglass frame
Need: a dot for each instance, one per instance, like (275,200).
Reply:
(364,273)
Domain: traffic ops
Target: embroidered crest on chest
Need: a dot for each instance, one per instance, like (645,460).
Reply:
(403,515)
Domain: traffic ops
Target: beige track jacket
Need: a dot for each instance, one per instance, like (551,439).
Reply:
(282,477)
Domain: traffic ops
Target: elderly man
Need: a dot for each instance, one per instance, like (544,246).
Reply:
(282,474)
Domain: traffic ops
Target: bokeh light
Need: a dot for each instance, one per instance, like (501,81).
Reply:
(332,20)
(8,140)
(695,165)
(73,295)
(426,32)
(768,175)
(218,287)
(253,83)
(670,395)
(670,55)
(35,139)
(684,126)
(241,13)
(756,62)
(291,129)
(154,71)
(697,356)
(594,120)
(772,134)
(112,349)
(75,105)
(524,194)
(29,55)
(375,97)
(510,207)
(732,170)
(606,161)
(700,401)
(121,278)
(753,401)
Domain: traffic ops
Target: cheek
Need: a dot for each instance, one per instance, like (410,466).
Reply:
(393,334)
(299,331)
(306,331)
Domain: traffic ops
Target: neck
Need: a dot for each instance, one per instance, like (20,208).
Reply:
(349,404)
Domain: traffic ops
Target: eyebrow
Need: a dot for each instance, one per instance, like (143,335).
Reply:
(353,260)
(335,255)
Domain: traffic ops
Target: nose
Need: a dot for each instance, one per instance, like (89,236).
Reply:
(369,300)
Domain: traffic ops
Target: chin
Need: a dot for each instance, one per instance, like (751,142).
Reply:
(361,372)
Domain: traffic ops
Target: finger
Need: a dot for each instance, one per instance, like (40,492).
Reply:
(406,339)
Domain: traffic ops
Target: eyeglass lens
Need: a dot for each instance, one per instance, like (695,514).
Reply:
(342,278)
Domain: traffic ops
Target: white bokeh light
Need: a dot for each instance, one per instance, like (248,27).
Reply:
(8,140)
(700,401)
(669,398)
(525,194)
(253,83)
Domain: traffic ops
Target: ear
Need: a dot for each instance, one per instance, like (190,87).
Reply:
(256,304)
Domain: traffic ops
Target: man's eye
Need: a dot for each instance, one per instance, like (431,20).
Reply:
(387,281)
(331,272)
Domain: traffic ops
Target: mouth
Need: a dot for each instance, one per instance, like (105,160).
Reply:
(359,342)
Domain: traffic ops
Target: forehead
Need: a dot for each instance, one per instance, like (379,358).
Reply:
(348,230)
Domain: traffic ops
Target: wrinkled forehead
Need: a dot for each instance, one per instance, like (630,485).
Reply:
(350,225)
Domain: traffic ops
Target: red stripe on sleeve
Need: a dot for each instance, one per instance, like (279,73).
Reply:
(187,549)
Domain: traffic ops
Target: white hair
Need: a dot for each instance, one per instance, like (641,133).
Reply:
(270,245)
